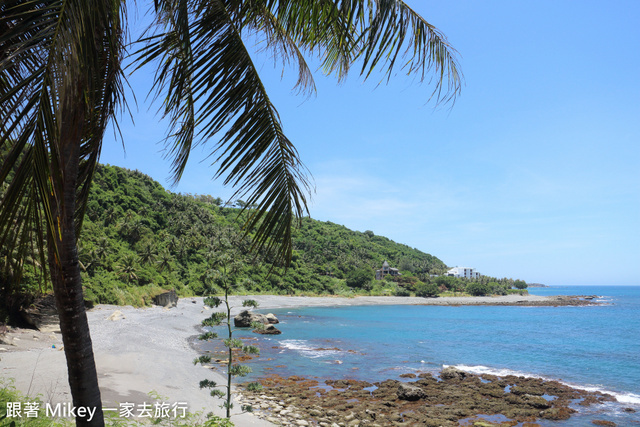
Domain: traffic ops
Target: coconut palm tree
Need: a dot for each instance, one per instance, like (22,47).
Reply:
(148,253)
(165,261)
(61,86)
(127,268)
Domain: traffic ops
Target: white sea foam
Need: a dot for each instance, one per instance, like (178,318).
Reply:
(626,398)
(305,349)
(630,398)
(295,345)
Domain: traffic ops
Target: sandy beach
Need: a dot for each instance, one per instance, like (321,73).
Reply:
(140,350)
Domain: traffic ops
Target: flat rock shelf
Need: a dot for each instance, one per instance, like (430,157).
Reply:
(452,398)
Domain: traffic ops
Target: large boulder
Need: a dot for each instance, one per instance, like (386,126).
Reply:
(167,299)
(272,318)
(451,373)
(246,318)
(42,314)
(410,392)
(268,330)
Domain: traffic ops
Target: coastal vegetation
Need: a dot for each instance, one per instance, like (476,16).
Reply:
(141,240)
(10,397)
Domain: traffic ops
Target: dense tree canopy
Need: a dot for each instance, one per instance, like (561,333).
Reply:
(177,236)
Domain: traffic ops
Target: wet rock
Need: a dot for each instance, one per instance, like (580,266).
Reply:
(407,375)
(556,414)
(410,392)
(451,373)
(272,318)
(604,423)
(535,390)
(440,403)
(536,401)
(268,330)
(246,318)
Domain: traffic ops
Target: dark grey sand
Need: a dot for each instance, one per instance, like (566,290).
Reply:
(140,350)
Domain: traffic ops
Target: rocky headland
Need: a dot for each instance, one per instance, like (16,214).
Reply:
(526,300)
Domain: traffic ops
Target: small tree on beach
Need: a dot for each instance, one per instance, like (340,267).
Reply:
(520,284)
(427,290)
(478,289)
(226,279)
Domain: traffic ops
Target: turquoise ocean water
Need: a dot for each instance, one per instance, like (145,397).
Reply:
(594,347)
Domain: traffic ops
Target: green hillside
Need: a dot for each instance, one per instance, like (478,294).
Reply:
(139,239)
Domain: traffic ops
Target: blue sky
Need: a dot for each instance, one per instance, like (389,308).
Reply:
(533,173)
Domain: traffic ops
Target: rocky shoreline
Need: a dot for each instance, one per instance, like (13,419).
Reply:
(554,301)
(267,302)
(450,398)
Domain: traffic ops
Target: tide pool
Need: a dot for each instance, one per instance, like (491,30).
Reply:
(593,347)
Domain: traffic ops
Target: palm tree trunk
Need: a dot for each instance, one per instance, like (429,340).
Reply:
(66,280)
(81,368)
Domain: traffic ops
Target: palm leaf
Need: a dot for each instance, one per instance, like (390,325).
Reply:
(211,89)
(50,72)
(213,86)
(395,32)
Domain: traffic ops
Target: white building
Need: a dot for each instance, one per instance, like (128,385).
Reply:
(465,272)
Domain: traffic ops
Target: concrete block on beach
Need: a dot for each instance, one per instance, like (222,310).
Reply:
(167,299)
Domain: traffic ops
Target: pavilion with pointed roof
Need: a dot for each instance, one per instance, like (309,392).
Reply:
(385,270)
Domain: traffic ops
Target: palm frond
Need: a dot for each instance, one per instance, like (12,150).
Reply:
(393,31)
(283,46)
(325,28)
(60,81)
(386,35)
(213,86)
(210,86)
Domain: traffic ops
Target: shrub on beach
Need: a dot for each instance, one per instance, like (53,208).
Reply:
(520,284)
(478,289)
(427,290)
(360,278)
(497,288)
(402,292)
